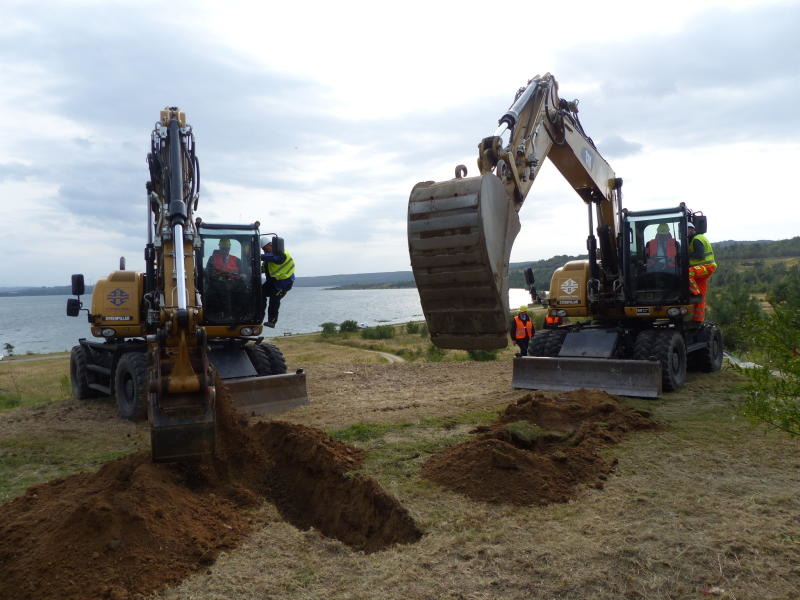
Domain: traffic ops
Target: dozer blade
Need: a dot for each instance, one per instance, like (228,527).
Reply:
(639,378)
(269,394)
(460,234)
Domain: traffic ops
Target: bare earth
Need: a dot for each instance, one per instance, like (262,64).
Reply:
(704,507)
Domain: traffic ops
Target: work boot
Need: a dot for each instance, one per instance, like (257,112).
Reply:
(270,323)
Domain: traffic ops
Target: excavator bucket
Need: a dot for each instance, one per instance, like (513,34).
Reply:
(460,234)
(639,378)
(269,394)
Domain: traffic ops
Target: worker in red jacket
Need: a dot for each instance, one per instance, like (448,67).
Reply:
(521,330)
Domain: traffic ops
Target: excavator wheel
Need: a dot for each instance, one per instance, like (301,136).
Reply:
(667,347)
(267,359)
(79,374)
(130,386)
(546,342)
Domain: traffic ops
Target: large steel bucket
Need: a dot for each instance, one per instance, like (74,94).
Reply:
(460,234)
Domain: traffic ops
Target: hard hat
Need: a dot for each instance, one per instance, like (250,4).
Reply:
(265,239)
(523,308)
(690,224)
(225,243)
(663,229)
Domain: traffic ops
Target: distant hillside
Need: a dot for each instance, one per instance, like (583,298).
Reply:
(58,290)
(731,251)
(355,279)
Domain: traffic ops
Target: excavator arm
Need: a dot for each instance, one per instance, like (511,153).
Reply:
(461,231)
(182,395)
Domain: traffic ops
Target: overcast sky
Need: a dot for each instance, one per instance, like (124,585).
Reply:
(317,118)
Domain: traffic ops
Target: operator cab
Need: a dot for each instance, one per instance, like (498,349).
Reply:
(229,277)
(655,256)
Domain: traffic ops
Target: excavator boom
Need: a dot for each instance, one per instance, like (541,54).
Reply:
(460,235)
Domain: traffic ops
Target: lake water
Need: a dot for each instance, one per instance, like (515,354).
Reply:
(39,323)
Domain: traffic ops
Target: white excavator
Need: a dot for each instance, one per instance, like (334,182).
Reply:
(631,330)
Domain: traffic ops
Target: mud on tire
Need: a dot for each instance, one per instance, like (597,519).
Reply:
(667,347)
(546,342)
(130,386)
(79,374)
(267,359)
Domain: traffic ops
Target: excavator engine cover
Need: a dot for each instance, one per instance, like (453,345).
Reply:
(460,234)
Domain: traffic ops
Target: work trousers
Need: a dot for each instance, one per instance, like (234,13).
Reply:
(698,284)
(274,296)
(523,346)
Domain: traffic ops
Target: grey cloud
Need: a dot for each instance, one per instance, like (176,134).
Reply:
(16,171)
(722,79)
(616,146)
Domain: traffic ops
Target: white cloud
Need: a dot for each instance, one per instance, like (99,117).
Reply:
(317,119)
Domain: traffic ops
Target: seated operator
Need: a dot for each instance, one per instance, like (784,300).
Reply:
(223,279)
(222,262)
(662,251)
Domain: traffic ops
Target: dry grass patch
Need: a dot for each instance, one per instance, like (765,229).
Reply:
(706,507)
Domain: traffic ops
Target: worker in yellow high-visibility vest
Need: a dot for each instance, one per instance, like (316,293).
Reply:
(279,269)
(701,266)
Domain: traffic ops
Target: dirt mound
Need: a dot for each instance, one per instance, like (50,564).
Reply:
(134,527)
(539,450)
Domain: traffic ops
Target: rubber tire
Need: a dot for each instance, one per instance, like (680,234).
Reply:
(546,342)
(79,374)
(131,387)
(709,359)
(667,347)
(267,359)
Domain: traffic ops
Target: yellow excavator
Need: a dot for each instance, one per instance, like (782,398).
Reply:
(631,331)
(194,315)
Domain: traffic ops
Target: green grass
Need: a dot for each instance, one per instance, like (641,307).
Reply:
(396,451)
(364,432)
(29,461)
(35,383)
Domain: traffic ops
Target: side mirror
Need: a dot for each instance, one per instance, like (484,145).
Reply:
(700,223)
(73,307)
(78,289)
(121,263)
(277,245)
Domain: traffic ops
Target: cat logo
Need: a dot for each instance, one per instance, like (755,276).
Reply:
(118,297)
(569,287)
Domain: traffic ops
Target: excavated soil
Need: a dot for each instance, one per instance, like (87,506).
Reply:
(134,527)
(540,450)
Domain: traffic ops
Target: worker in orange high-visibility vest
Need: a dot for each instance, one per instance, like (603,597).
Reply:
(701,266)
(521,330)
(552,321)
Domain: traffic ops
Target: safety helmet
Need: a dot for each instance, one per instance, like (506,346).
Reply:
(663,229)
(264,240)
(690,225)
(523,308)
(225,243)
